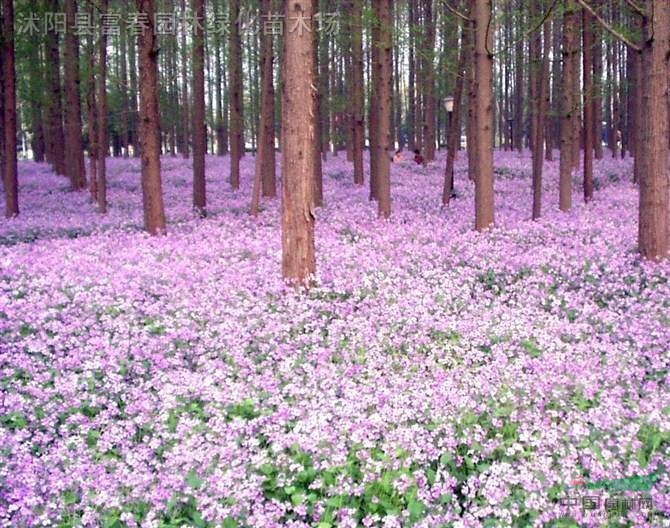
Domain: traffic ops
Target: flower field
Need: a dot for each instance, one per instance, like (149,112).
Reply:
(434,376)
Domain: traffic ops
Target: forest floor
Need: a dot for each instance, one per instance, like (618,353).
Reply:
(433,377)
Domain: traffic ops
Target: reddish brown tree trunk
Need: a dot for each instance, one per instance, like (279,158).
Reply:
(428,84)
(74,143)
(483,171)
(537,72)
(149,132)
(186,125)
(10,169)
(298,143)
(236,108)
(652,150)
(199,127)
(318,169)
(92,116)
(568,105)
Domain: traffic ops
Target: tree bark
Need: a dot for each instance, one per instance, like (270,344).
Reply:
(55,135)
(236,108)
(185,146)
(568,105)
(149,132)
(384,103)
(358,133)
(266,130)
(652,150)
(484,193)
(74,143)
(298,142)
(428,84)
(199,127)
(10,168)
(537,83)
(318,169)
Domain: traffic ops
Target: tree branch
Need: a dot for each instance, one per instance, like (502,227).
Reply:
(608,27)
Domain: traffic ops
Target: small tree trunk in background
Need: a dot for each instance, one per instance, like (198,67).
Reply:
(149,132)
(199,130)
(411,86)
(10,168)
(92,116)
(298,143)
(587,23)
(652,149)
(568,104)
(74,142)
(471,85)
(102,119)
(55,135)
(236,108)
(384,103)
(36,90)
(536,72)
(125,107)
(358,133)
(454,134)
(484,193)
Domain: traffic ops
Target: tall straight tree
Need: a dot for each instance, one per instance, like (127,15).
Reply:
(318,168)
(10,173)
(55,146)
(74,142)
(652,150)
(356,90)
(536,88)
(236,108)
(568,105)
(102,118)
(199,127)
(149,130)
(383,101)
(91,103)
(589,127)
(483,170)
(428,84)
(185,146)
(266,128)
(298,143)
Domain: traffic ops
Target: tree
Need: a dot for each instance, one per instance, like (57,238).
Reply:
(652,151)
(537,103)
(383,102)
(149,130)
(102,119)
(266,129)
(91,101)
(236,105)
(568,104)
(298,142)
(74,143)
(356,89)
(484,194)
(199,127)
(589,128)
(55,147)
(10,169)
(428,84)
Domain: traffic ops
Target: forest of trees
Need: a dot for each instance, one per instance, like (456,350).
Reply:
(83,80)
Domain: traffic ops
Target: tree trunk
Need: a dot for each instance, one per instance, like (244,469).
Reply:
(652,150)
(318,169)
(411,86)
(518,89)
(598,88)
(358,133)
(102,119)
(55,135)
(199,127)
(483,170)
(185,147)
(92,116)
(587,23)
(298,142)
(266,129)
(537,72)
(568,105)
(383,101)
(236,109)
(123,90)
(74,143)
(10,169)
(149,132)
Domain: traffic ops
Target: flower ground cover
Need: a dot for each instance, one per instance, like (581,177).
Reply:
(433,377)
